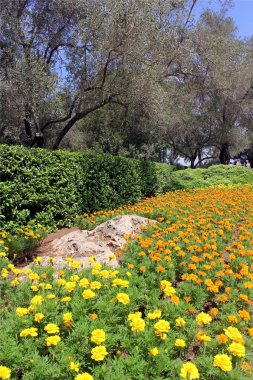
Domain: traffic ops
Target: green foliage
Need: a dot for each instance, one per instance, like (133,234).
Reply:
(51,188)
(214,175)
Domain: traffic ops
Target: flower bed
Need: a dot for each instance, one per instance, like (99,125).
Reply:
(180,306)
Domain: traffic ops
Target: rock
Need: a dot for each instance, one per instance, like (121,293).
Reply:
(101,242)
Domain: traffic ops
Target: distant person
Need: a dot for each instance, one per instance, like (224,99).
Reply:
(238,163)
(247,164)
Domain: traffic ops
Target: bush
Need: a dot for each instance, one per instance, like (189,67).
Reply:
(214,175)
(52,187)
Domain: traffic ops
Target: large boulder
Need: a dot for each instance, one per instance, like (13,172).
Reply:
(101,242)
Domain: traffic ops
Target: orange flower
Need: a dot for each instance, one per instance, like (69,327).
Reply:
(175,299)
(160,269)
(93,316)
(214,311)
(222,338)
(250,331)
(191,310)
(245,315)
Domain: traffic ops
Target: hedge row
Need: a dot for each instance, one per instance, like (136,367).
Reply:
(51,188)
(214,175)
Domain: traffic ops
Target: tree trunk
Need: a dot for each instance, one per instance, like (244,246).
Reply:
(78,116)
(224,154)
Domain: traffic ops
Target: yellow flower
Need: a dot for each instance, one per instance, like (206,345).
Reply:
(52,340)
(162,327)
(97,336)
(32,331)
(70,286)
(37,300)
(233,333)
(123,298)
(180,343)
(154,351)
(155,315)
(38,317)
(87,294)
(84,282)
(22,311)
(180,322)
(98,353)
(67,319)
(137,324)
(120,282)
(236,349)
(95,285)
(202,337)
(132,316)
(189,371)
(50,296)
(223,361)
(84,376)
(203,319)
(74,366)
(66,299)
(61,281)
(5,372)
(51,328)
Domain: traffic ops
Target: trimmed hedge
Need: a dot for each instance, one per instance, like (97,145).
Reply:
(214,175)
(52,187)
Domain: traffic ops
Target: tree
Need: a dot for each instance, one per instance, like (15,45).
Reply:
(63,60)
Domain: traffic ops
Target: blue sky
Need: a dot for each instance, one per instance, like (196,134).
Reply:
(241,12)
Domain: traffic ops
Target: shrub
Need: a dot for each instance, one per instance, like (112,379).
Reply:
(214,175)
(50,187)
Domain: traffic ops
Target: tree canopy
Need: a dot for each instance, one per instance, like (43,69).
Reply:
(137,78)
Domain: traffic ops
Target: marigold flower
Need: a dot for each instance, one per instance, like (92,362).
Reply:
(70,286)
(37,300)
(154,351)
(233,333)
(67,319)
(93,316)
(87,294)
(162,327)
(38,317)
(189,371)
(5,372)
(250,331)
(66,299)
(74,366)
(223,361)
(222,338)
(202,337)
(98,353)
(214,311)
(22,311)
(95,285)
(137,324)
(52,340)
(203,319)
(98,336)
(32,331)
(51,328)
(180,343)
(84,376)
(232,319)
(180,322)
(236,349)
(123,298)
(155,314)
(245,315)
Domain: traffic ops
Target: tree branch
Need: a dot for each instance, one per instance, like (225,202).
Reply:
(78,116)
